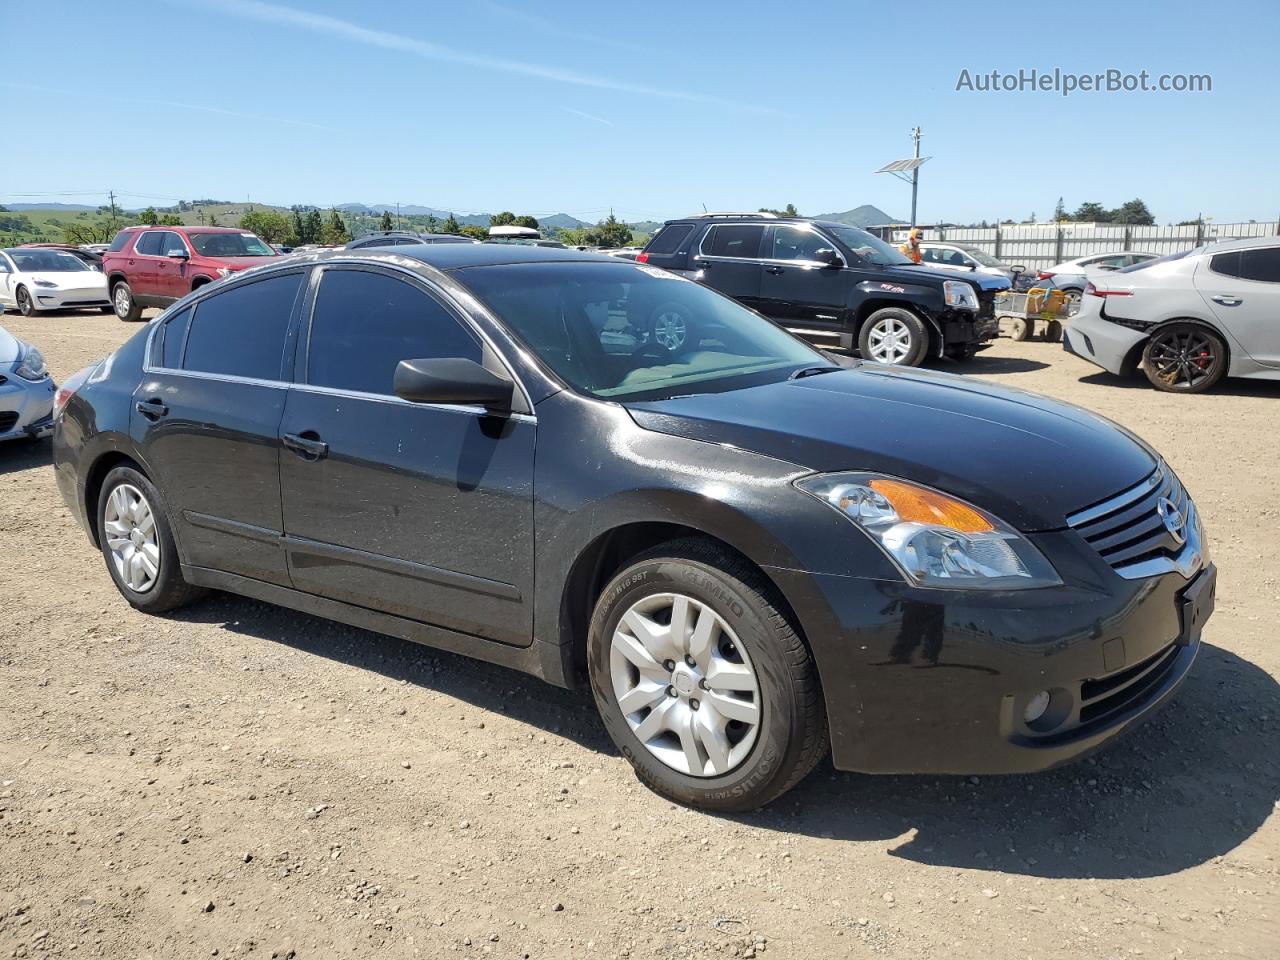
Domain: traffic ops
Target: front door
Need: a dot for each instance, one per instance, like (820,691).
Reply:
(802,293)
(1242,288)
(424,511)
(207,416)
(728,260)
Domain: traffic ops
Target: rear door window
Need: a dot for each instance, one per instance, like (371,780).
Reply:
(1262,264)
(1227,264)
(365,323)
(669,238)
(240,332)
(149,243)
(739,241)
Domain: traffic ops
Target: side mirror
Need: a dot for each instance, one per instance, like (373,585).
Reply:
(827,257)
(176,254)
(451,380)
(1019,268)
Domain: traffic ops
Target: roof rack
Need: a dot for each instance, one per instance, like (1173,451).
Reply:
(763,215)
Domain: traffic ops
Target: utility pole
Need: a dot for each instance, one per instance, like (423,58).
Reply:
(112,195)
(915,173)
(908,170)
(397,215)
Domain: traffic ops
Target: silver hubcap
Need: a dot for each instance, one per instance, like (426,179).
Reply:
(685,684)
(122,300)
(669,330)
(131,537)
(890,341)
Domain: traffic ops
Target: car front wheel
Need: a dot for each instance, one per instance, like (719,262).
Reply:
(702,682)
(123,303)
(25,305)
(137,543)
(893,335)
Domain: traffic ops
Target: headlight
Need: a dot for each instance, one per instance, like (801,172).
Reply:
(934,539)
(959,295)
(31,366)
(43,283)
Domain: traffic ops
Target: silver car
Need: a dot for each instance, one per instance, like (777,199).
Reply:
(26,390)
(971,259)
(1189,318)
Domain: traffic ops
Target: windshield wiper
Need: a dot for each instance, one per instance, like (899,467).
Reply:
(813,372)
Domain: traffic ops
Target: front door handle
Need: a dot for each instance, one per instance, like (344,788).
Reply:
(152,409)
(1228,301)
(702,264)
(774,270)
(307,444)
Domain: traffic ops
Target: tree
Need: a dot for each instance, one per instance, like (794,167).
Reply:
(474,230)
(213,219)
(1134,212)
(504,219)
(95,231)
(386,221)
(576,236)
(314,227)
(1092,213)
(527,221)
(451,225)
(1059,212)
(788,211)
(611,233)
(299,228)
(335,231)
(149,216)
(432,224)
(170,220)
(271,226)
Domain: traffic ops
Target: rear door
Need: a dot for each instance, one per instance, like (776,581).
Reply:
(424,511)
(1242,288)
(207,416)
(171,267)
(804,294)
(142,268)
(728,259)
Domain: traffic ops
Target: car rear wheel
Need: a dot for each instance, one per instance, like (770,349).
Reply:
(123,303)
(894,336)
(702,682)
(25,305)
(1184,358)
(137,543)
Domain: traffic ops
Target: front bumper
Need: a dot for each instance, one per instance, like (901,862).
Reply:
(1090,336)
(47,298)
(932,681)
(26,409)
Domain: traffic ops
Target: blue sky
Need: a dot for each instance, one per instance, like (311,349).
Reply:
(653,108)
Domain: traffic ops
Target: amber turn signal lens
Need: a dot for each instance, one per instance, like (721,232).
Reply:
(916,505)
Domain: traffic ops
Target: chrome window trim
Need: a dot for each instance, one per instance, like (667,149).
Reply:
(468,408)
(816,263)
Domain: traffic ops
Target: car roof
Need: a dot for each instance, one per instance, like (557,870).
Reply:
(456,256)
(1245,243)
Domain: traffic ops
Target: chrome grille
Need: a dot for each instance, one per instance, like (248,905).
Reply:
(1130,531)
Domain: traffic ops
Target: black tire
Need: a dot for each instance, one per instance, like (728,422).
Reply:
(791,736)
(26,306)
(123,304)
(168,591)
(1052,331)
(915,348)
(1184,358)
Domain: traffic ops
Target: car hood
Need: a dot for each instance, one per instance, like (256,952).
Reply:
(983,281)
(1028,459)
(10,347)
(71,280)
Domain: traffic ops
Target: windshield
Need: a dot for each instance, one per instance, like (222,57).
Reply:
(230,245)
(629,331)
(870,249)
(46,261)
(983,258)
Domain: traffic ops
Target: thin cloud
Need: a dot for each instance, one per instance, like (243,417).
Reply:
(172,104)
(551,28)
(587,116)
(265,12)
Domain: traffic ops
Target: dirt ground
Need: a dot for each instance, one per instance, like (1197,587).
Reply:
(238,779)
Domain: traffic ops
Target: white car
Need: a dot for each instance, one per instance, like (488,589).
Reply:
(1189,318)
(35,278)
(26,390)
(968,258)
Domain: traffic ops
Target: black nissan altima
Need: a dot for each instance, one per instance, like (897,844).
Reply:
(597,471)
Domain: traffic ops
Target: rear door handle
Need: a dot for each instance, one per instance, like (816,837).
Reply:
(1228,301)
(307,445)
(152,409)
(774,270)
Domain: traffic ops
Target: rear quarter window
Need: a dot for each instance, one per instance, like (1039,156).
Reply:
(669,238)
(120,241)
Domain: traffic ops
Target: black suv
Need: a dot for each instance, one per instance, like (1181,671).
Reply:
(830,283)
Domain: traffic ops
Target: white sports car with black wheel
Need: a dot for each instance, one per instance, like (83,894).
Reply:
(1189,319)
(26,390)
(34,279)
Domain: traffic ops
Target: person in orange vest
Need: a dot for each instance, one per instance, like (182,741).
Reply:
(912,247)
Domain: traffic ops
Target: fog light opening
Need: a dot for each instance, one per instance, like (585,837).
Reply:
(1036,707)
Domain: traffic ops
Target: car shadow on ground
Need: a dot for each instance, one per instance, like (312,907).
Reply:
(1229,387)
(983,365)
(1189,785)
(24,454)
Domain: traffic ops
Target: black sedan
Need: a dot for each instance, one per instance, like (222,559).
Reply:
(597,470)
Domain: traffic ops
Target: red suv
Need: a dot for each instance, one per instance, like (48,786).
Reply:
(154,266)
